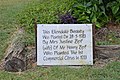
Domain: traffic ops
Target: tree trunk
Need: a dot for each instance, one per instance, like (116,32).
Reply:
(107,51)
(15,59)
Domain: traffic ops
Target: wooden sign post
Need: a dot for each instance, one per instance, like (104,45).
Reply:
(64,44)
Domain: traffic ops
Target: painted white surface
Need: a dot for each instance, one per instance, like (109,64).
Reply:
(64,32)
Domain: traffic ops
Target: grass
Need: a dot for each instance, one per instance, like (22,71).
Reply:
(8,24)
(110,72)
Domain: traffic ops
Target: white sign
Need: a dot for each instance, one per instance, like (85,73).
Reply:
(64,44)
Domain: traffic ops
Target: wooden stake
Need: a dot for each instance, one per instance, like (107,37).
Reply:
(35,27)
(93,27)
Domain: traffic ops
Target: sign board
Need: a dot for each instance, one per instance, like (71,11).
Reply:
(64,44)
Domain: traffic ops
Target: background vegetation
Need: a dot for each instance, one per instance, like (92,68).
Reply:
(100,12)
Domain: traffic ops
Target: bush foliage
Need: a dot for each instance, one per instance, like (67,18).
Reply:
(85,11)
(96,11)
(99,12)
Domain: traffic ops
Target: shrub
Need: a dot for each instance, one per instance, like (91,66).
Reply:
(96,11)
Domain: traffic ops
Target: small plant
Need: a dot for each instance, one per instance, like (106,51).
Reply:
(67,19)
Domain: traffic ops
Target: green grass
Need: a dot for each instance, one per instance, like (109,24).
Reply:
(8,23)
(110,72)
